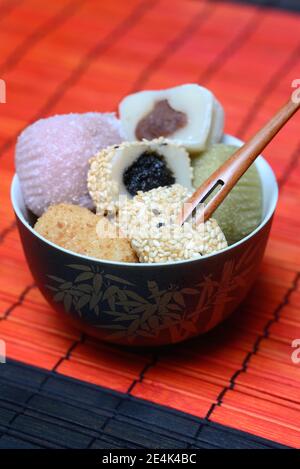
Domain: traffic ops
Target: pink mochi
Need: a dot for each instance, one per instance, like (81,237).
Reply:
(52,157)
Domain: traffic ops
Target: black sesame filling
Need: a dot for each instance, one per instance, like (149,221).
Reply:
(148,171)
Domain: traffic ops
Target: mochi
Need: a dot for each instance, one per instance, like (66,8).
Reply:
(52,157)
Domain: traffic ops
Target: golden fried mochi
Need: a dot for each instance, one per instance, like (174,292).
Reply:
(75,228)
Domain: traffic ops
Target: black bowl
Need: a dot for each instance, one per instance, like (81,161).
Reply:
(146,304)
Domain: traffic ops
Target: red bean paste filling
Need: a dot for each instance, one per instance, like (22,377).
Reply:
(162,121)
(148,171)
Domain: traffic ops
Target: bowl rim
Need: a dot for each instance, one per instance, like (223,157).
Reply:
(264,221)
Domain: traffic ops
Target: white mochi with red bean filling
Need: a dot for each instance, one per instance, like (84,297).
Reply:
(188,114)
(217,126)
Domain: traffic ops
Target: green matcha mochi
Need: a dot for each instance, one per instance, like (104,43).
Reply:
(241,211)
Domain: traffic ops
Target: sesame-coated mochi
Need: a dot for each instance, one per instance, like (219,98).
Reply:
(150,222)
(122,171)
(52,157)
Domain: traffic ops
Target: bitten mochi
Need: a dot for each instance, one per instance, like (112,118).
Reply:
(188,114)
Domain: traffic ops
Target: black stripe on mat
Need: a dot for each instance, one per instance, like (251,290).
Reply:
(293,5)
(42,409)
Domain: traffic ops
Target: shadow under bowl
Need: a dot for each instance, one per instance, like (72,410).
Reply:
(147,304)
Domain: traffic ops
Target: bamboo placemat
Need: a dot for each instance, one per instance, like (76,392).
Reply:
(42,409)
(85,55)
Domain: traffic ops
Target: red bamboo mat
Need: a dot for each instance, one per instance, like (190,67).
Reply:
(84,55)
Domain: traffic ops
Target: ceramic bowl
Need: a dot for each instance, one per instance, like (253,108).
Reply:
(144,304)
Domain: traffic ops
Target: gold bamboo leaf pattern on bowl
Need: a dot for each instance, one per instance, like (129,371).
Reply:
(147,317)
(86,289)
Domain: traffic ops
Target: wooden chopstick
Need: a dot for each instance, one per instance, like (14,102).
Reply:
(225,177)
